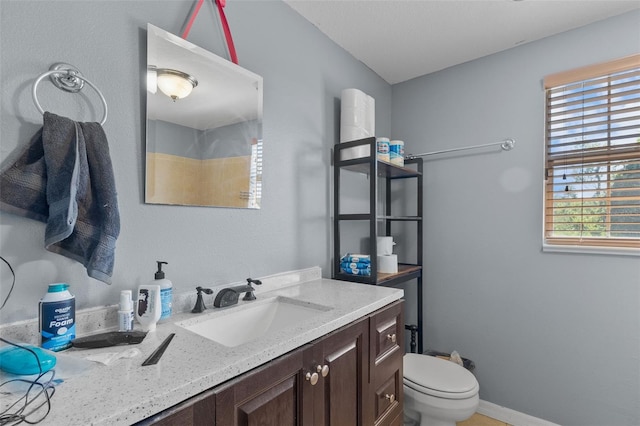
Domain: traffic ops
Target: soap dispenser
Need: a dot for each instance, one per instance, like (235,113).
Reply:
(166,290)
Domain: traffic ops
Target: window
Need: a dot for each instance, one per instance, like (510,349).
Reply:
(592,156)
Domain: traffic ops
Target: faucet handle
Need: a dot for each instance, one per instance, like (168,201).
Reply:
(200,307)
(249,294)
(252,281)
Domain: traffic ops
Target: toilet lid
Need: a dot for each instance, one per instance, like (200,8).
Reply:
(438,377)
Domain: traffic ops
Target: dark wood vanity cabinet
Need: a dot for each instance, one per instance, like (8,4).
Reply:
(199,410)
(322,383)
(352,376)
(273,394)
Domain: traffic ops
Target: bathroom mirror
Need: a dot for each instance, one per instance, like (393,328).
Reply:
(204,127)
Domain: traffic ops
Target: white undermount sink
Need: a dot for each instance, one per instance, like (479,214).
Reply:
(240,324)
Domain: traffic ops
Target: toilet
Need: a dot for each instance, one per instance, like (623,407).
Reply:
(437,392)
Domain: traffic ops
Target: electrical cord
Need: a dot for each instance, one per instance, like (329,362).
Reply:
(13,283)
(37,395)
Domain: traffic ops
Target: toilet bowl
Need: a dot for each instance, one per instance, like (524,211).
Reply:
(438,392)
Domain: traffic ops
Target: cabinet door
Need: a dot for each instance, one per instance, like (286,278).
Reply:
(344,356)
(272,395)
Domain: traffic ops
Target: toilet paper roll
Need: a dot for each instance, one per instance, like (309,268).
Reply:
(385,245)
(355,116)
(353,98)
(388,264)
(370,123)
(357,121)
(355,152)
(352,133)
(363,104)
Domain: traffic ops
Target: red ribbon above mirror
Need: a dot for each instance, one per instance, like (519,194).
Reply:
(223,20)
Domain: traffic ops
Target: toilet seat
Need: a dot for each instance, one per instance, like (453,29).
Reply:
(438,377)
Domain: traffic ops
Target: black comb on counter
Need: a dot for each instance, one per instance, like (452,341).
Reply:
(111,338)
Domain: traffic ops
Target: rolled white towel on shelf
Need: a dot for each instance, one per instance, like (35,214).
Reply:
(388,264)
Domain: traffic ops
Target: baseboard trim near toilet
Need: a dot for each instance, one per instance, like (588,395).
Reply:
(510,416)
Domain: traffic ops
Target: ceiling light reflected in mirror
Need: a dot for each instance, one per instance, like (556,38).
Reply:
(175,84)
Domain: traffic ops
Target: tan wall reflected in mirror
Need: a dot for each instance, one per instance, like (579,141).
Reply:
(204,149)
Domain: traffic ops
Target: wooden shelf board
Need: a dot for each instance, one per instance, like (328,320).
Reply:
(405,271)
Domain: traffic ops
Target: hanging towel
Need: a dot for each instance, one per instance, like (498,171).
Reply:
(64,178)
(62,140)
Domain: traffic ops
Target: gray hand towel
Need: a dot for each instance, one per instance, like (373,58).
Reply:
(62,144)
(64,178)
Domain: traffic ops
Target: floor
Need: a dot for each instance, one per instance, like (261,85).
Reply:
(481,420)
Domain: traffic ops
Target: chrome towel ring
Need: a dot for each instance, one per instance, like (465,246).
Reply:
(68,78)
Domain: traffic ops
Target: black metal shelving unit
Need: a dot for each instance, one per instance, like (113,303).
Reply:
(385,174)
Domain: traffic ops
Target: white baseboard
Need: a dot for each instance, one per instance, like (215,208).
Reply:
(510,416)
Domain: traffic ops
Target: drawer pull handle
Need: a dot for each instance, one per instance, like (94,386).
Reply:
(391,397)
(313,378)
(392,337)
(323,369)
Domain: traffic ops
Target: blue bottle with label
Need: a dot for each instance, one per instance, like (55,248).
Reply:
(57,318)
(166,290)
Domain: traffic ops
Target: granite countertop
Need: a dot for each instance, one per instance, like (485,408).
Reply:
(124,392)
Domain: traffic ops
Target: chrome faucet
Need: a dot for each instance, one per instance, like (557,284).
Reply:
(229,296)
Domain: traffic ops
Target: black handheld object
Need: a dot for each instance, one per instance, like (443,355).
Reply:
(111,338)
(157,354)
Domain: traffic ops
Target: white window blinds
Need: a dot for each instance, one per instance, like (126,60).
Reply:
(592,166)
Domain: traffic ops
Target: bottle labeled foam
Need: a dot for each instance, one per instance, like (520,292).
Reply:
(166,290)
(57,318)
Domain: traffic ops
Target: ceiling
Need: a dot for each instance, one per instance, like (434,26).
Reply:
(403,39)
(225,94)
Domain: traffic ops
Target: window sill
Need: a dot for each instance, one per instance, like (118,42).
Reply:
(615,251)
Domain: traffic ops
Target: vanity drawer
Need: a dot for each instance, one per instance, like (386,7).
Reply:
(386,331)
(388,400)
(387,334)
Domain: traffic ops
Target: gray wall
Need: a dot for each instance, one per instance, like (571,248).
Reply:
(173,139)
(233,140)
(553,335)
(304,73)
